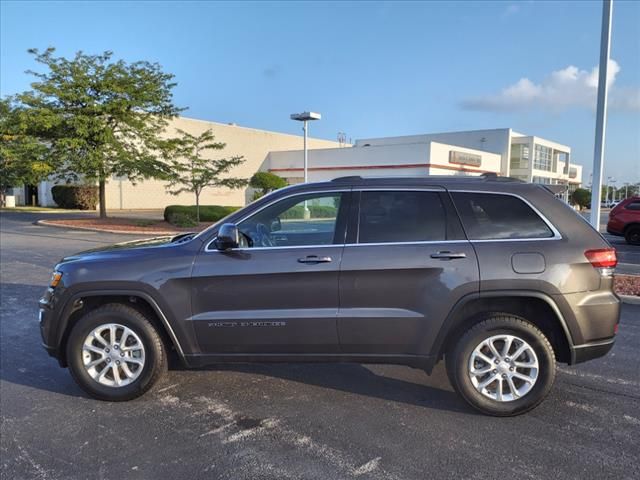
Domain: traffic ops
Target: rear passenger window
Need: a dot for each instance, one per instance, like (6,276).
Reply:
(402,216)
(488,216)
(635,205)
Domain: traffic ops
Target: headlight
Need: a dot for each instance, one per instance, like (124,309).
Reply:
(55,279)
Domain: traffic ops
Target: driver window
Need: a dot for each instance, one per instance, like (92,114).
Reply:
(295,221)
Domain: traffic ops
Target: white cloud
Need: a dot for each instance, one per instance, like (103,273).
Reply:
(561,90)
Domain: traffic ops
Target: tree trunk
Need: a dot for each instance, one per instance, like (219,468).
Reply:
(198,207)
(102,198)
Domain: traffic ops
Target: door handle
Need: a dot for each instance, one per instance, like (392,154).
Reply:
(445,255)
(314,259)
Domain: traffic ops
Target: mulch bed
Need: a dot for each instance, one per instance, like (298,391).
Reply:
(126,225)
(627,284)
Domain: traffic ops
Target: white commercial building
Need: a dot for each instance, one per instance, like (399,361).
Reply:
(501,151)
(253,144)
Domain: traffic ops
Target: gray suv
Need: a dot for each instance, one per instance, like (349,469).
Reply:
(496,276)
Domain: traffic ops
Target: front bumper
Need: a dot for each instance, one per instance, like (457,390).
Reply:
(46,321)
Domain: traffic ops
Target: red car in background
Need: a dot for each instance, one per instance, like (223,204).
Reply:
(624,220)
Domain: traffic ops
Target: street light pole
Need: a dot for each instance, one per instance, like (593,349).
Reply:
(305,117)
(601,112)
(306,158)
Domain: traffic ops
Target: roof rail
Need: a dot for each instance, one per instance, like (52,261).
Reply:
(352,178)
(494,177)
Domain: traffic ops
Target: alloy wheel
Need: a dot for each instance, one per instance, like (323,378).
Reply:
(503,368)
(113,355)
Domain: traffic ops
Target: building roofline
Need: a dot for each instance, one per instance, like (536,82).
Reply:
(437,133)
(253,129)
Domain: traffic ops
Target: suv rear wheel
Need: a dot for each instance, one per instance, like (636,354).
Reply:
(632,235)
(115,353)
(502,366)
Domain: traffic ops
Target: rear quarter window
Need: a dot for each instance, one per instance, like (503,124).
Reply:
(488,216)
(634,205)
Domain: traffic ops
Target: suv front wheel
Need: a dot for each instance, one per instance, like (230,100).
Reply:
(502,366)
(115,353)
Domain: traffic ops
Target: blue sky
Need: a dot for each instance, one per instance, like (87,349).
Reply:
(372,69)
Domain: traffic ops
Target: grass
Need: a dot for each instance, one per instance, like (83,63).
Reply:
(144,222)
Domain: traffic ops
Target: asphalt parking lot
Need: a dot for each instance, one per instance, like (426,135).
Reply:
(291,421)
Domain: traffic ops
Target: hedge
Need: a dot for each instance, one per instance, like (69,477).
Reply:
(208,213)
(315,211)
(82,197)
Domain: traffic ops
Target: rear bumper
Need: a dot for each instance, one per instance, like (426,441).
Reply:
(589,351)
(592,316)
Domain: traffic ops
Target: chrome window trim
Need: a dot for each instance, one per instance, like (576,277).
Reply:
(297,194)
(554,230)
(421,242)
(282,247)
(556,234)
(342,245)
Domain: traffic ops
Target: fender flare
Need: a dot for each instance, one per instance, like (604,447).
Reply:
(454,318)
(70,307)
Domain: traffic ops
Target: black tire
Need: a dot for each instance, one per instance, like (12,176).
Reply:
(458,357)
(632,235)
(155,363)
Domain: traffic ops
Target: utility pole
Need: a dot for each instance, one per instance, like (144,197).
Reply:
(601,112)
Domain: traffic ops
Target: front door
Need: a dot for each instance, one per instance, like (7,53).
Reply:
(279,293)
(402,272)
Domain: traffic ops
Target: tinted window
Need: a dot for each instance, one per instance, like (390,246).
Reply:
(294,221)
(635,205)
(401,217)
(488,216)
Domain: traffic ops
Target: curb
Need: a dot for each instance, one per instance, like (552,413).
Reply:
(46,223)
(630,299)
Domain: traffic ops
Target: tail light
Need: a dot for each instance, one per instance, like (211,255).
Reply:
(602,257)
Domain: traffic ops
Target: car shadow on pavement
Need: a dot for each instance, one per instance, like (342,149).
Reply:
(418,390)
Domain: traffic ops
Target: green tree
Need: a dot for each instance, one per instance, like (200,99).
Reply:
(192,171)
(100,117)
(22,157)
(265,182)
(581,197)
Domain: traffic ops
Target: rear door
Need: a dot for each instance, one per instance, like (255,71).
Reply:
(405,265)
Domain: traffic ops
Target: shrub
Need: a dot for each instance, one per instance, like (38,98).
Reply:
(581,197)
(315,211)
(182,220)
(82,197)
(265,182)
(208,213)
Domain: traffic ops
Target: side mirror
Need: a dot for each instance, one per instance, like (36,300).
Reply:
(276,225)
(228,237)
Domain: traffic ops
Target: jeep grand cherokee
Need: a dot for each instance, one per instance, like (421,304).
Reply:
(497,277)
